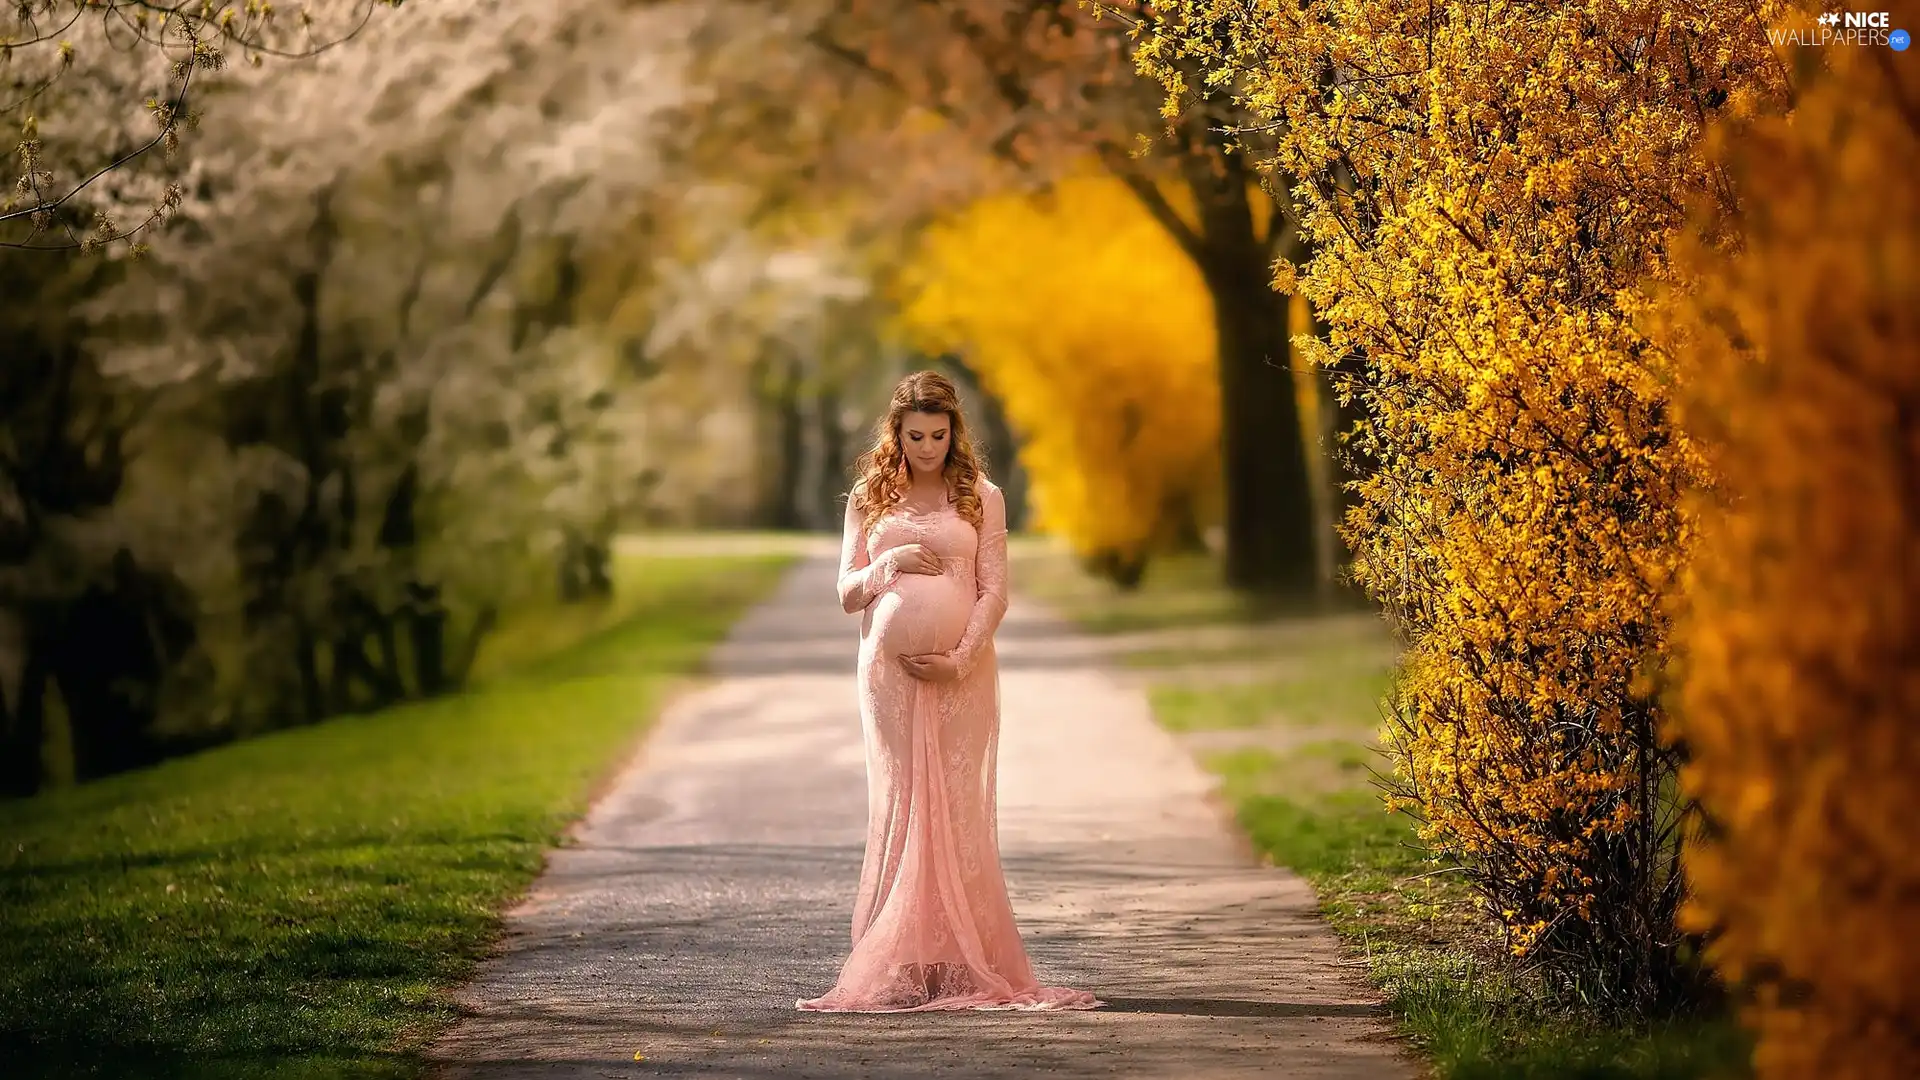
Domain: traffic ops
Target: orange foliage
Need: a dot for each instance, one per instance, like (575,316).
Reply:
(1800,701)
(1486,188)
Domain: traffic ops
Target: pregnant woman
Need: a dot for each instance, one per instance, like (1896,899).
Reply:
(924,560)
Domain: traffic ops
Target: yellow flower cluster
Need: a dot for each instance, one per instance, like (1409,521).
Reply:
(1096,334)
(1486,188)
(1800,695)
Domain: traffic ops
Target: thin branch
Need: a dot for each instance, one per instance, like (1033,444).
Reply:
(47,207)
(194,27)
(1154,200)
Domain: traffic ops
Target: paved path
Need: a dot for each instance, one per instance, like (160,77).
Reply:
(713,885)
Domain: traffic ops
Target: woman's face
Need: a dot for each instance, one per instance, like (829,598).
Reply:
(925,437)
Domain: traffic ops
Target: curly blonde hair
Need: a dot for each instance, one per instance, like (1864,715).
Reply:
(882,472)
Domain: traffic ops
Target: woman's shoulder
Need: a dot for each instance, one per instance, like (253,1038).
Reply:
(988,500)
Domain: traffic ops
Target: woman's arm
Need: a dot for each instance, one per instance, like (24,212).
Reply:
(990,577)
(861,579)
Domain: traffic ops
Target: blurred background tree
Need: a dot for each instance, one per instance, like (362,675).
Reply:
(966,100)
(1085,320)
(1800,678)
(389,373)
(99,630)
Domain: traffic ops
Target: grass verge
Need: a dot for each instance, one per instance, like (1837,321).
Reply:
(1284,709)
(299,904)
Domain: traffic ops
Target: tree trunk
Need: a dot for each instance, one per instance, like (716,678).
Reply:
(25,721)
(1267,478)
(1345,464)
(568,577)
(313,700)
(392,675)
(790,449)
(483,624)
(834,465)
(109,673)
(427,630)
(585,568)
(350,663)
(1270,520)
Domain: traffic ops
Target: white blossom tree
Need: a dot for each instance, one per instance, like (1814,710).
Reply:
(393,332)
(103,93)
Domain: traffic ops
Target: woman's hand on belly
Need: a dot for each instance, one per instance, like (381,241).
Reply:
(916,559)
(936,667)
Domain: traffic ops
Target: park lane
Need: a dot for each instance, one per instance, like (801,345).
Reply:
(712,884)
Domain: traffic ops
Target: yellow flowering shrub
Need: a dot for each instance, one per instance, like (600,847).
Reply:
(1485,186)
(1800,646)
(1096,334)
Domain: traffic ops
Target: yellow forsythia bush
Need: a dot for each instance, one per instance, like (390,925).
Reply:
(1800,648)
(1096,334)
(1485,186)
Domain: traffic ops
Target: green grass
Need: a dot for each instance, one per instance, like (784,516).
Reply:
(299,904)
(1299,696)
(1303,700)
(1178,591)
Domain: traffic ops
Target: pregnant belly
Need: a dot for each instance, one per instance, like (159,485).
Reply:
(921,613)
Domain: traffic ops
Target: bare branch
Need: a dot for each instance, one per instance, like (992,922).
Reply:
(180,39)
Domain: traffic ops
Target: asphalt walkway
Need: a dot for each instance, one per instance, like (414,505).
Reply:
(712,886)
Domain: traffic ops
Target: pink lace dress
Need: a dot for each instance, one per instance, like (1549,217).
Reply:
(932,928)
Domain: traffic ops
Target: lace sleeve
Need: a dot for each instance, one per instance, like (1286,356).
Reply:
(862,579)
(990,576)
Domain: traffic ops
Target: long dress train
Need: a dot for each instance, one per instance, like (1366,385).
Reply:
(932,927)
